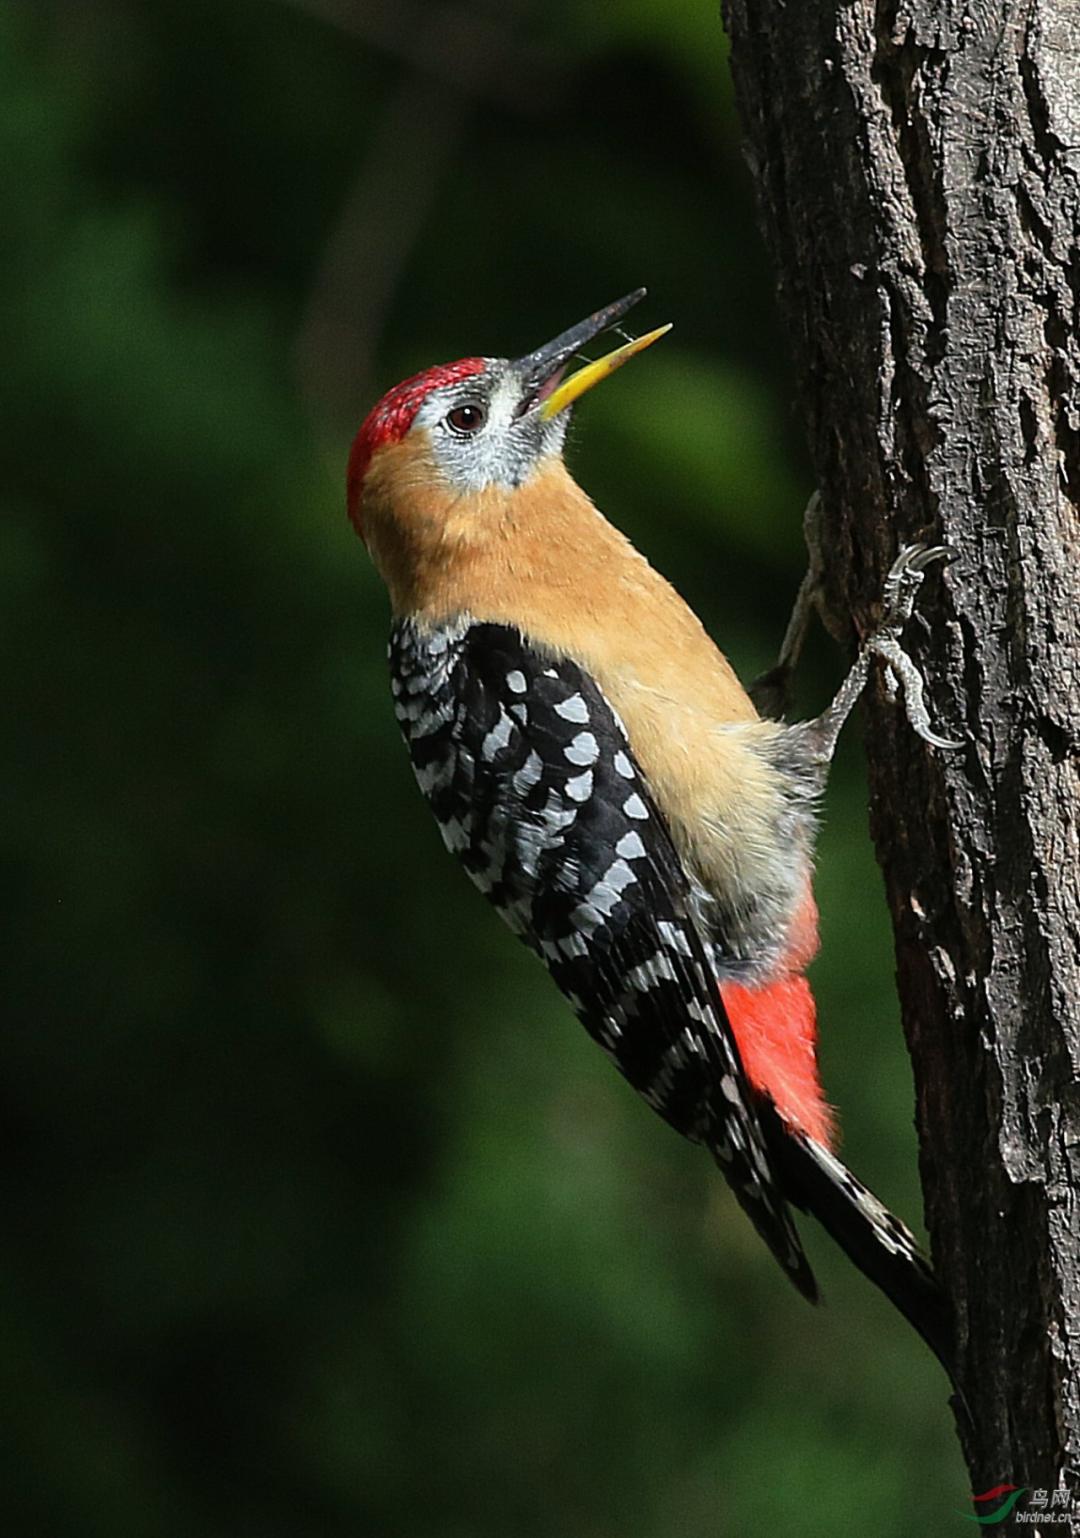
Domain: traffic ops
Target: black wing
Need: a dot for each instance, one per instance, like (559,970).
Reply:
(531,777)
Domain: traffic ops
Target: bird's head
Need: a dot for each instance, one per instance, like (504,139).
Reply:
(443,448)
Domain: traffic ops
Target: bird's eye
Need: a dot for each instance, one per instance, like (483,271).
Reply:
(469,418)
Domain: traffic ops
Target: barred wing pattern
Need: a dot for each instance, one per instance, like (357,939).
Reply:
(535,788)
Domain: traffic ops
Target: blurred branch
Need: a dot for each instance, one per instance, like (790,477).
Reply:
(465,46)
(457,55)
(383,217)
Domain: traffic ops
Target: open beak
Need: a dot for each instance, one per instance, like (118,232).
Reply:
(542,371)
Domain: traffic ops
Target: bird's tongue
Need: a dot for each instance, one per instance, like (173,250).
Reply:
(539,394)
(550,384)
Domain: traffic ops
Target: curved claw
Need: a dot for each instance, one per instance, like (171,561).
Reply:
(951,744)
(901,586)
(918,555)
(929,553)
(901,675)
(904,580)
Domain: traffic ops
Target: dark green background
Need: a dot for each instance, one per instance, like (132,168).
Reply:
(321,1214)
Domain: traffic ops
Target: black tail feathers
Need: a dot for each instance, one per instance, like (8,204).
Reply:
(878,1243)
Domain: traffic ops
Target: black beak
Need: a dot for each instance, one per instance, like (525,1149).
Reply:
(543,366)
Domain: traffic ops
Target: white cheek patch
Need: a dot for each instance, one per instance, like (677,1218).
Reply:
(506,450)
(504,402)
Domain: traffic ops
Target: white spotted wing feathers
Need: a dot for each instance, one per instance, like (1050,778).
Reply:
(535,788)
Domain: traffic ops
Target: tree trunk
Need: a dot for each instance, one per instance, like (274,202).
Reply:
(918,173)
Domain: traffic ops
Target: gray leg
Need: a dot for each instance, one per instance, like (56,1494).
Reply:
(901,585)
(770,693)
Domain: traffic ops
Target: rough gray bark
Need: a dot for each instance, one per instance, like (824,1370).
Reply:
(918,173)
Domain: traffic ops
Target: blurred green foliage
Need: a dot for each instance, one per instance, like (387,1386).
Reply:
(323,1216)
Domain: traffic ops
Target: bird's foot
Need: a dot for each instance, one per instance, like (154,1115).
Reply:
(901,675)
(898,596)
(771,693)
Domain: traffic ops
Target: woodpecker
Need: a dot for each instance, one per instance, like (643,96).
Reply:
(607,783)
